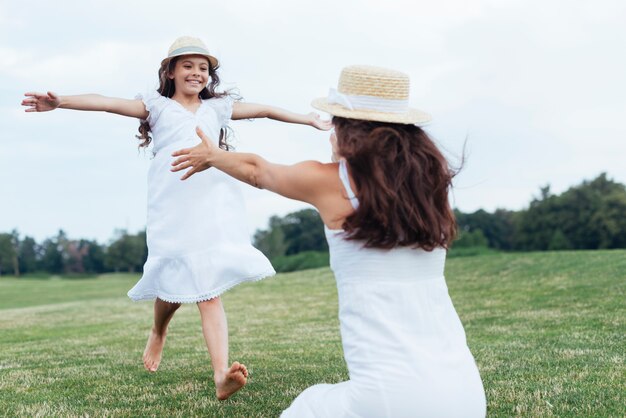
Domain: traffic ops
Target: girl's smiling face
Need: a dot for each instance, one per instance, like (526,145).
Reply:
(190,74)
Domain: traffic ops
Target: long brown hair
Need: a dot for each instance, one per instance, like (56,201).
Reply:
(402,182)
(167,88)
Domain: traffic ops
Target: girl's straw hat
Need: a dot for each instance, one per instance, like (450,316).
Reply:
(187,45)
(372,93)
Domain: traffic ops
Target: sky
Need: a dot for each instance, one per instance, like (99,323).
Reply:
(534,90)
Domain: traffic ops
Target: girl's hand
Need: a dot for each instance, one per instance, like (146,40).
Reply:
(317,122)
(197,158)
(40,102)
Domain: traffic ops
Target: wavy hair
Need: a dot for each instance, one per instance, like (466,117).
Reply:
(167,88)
(402,182)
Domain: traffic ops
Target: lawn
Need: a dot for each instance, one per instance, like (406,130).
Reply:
(547,330)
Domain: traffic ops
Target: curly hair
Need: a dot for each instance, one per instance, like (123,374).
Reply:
(402,182)
(167,88)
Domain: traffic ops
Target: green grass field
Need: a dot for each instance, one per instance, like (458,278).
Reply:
(547,331)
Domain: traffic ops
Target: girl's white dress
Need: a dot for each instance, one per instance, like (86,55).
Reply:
(403,342)
(198,241)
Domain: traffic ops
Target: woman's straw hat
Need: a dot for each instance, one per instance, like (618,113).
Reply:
(187,45)
(372,93)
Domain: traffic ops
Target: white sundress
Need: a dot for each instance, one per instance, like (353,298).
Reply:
(402,339)
(197,236)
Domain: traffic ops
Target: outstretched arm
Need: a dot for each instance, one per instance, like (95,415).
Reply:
(301,181)
(43,102)
(253,111)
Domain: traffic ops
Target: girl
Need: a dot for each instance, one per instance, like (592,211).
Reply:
(388,225)
(197,241)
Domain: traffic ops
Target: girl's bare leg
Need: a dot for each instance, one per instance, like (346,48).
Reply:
(228,380)
(163,312)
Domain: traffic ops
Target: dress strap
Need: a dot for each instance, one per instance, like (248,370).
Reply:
(345,179)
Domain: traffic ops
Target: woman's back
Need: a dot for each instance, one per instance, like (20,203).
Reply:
(403,342)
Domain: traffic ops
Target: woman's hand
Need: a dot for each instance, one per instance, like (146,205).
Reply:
(197,158)
(40,102)
(317,122)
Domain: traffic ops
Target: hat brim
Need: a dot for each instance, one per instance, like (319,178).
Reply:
(412,116)
(212,60)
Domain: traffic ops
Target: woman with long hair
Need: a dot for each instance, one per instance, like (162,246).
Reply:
(388,221)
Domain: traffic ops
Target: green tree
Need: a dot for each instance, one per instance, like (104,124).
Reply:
(52,257)
(588,216)
(498,227)
(471,239)
(296,232)
(304,231)
(94,258)
(609,222)
(271,242)
(8,254)
(28,255)
(127,252)
(559,241)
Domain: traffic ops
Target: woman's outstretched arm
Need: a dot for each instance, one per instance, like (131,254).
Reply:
(299,181)
(44,102)
(253,111)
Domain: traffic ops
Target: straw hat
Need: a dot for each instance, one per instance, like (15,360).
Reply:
(372,93)
(187,45)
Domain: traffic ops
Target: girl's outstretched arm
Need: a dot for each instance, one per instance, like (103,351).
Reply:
(43,102)
(253,111)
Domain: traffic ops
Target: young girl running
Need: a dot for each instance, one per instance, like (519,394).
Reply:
(198,244)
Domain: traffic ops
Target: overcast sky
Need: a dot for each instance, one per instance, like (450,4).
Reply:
(537,89)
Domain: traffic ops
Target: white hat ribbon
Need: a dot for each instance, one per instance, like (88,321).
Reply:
(377,104)
(339,98)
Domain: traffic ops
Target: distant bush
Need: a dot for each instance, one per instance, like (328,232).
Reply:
(471,239)
(470,251)
(301,261)
(294,233)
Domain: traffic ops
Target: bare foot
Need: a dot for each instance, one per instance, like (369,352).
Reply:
(233,380)
(152,353)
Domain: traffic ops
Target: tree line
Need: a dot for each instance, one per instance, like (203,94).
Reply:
(62,255)
(586,216)
(591,215)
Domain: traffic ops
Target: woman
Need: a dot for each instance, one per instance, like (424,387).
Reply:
(384,203)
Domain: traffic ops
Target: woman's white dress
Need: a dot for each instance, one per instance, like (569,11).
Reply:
(403,342)
(198,241)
